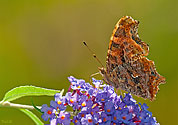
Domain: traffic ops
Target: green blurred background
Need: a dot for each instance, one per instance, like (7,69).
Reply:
(41,45)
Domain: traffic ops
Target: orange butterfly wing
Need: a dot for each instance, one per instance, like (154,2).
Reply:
(127,67)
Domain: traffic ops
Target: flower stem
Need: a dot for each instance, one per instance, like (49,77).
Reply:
(9,104)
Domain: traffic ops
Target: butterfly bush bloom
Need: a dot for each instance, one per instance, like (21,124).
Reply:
(95,105)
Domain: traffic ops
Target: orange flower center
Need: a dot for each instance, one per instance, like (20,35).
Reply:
(62,117)
(49,112)
(76,121)
(124,117)
(71,100)
(82,115)
(59,102)
(89,120)
(108,110)
(102,99)
(83,104)
(115,118)
(104,119)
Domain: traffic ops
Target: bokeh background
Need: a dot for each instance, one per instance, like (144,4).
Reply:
(41,45)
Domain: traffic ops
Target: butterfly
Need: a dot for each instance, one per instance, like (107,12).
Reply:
(127,66)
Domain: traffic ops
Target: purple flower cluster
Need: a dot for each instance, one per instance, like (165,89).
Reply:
(97,104)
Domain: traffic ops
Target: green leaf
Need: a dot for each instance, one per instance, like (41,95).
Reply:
(22,91)
(32,116)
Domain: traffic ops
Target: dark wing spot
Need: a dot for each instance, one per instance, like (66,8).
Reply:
(138,87)
(126,80)
(112,66)
(118,72)
(123,59)
(133,37)
(125,43)
(136,80)
(131,31)
(136,40)
(153,74)
(129,72)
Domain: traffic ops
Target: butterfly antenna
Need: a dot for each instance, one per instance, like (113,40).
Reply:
(94,55)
